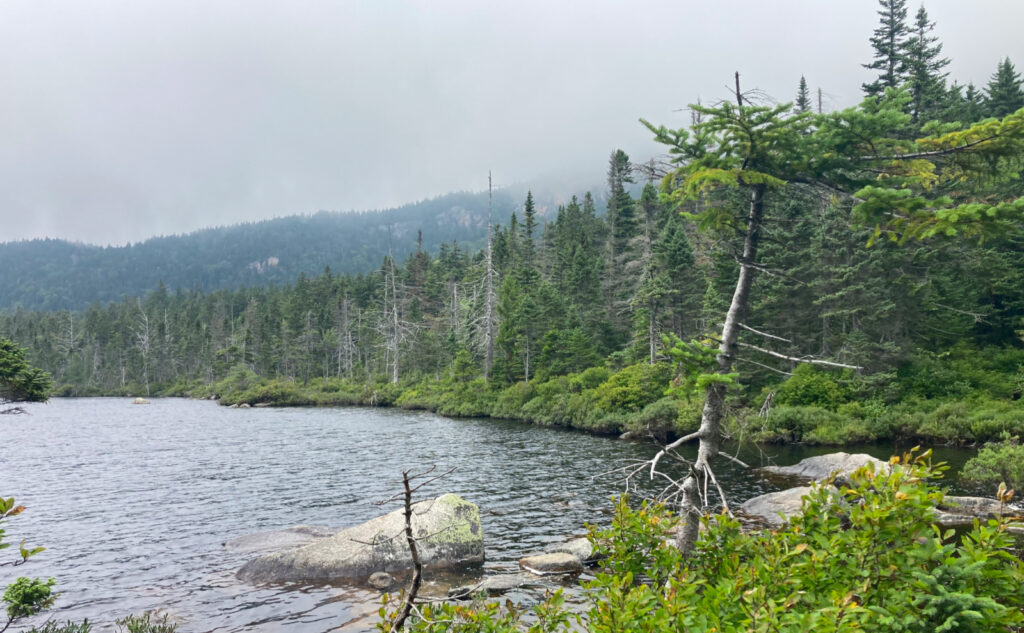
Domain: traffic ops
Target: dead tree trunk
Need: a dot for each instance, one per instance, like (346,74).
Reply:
(710,432)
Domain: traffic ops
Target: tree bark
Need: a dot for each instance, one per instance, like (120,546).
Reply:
(710,431)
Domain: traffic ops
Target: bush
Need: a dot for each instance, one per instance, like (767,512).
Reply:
(811,387)
(633,388)
(864,559)
(998,462)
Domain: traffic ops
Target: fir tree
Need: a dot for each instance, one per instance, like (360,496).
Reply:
(924,67)
(1004,94)
(889,43)
(803,97)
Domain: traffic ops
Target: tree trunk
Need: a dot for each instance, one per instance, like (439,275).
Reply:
(710,432)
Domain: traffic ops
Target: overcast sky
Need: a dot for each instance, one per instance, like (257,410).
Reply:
(120,120)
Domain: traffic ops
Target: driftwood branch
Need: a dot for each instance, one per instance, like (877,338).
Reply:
(797,359)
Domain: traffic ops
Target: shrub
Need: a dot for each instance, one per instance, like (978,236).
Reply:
(633,388)
(811,387)
(998,462)
(864,559)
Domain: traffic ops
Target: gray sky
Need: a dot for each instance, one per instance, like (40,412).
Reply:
(124,119)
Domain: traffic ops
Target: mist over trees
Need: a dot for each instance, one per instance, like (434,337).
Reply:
(599,281)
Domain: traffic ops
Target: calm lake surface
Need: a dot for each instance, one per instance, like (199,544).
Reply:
(134,503)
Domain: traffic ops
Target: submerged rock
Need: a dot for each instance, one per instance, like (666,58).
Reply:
(821,467)
(276,540)
(957,511)
(493,585)
(381,580)
(448,529)
(550,564)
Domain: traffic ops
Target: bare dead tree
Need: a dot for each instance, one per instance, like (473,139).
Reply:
(409,486)
(490,296)
(143,340)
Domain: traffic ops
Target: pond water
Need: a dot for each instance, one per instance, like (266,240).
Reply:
(134,503)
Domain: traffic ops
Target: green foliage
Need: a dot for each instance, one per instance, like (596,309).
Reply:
(52,626)
(811,386)
(865,557)
(633,388)
(998,462)
(146,624)
(25,596)
(28,596)
(19,381)
(694,362)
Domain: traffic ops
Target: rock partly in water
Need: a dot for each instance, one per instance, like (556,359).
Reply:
(581,548)
(244,405)
(551,564)
(140,401)
(493,586)
(381,580)
(821,467)
(448,529)
(962,511)
(277,540)
(775,508)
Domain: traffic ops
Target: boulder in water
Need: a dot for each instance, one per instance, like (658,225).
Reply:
(550,564)
(957,511)
(493,585)
(775,508)
(821,467)
(140,401)
(448,529)
(381,580)
(581,548)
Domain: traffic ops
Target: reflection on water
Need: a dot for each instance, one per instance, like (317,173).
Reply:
(134,503)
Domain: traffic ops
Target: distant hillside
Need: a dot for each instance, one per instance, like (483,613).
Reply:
(56,274)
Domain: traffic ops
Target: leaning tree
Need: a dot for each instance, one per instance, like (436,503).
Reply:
(738,155)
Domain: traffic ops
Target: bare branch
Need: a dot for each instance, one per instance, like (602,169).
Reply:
(763,366)
(795,359)
(764,334)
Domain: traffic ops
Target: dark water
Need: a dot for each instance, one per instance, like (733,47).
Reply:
(134,503)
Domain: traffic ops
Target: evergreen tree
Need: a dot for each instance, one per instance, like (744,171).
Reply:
(889,43)
(924,67)
(529,228)
(803,97)
(1004,95)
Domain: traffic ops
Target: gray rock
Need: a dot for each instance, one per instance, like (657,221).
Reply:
(448,529)
(775,508)
(244,405)
(822,467)
(961,511)
(381,580)
(277,540)
(492,586)
(261,405)
(578,547)
(550,564)
(140,401)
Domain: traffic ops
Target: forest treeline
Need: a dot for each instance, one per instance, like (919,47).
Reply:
(567,321)
(56,274)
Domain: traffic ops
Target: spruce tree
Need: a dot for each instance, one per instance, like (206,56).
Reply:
(1004,94)
(924,67)
(889,43)
(803,97)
